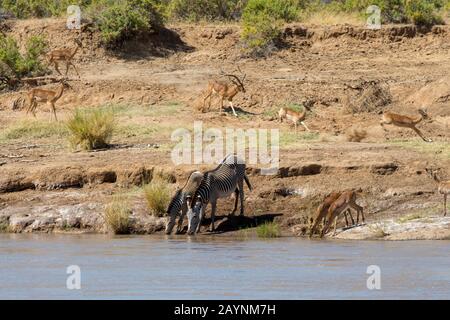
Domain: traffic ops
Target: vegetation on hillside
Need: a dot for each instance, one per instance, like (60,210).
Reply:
(261,19)
(25,63)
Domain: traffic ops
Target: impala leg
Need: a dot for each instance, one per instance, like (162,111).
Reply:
(57,68)
(232,108)
(351,217)
(303,124)
(335,224)
(75,68)
(221,104)
(67,67)
(208,95)
(54,110)
(326,226)
(445,204)
(314,226)
(421,135)
(345,216)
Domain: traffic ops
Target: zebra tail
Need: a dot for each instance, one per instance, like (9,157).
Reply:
(247,181)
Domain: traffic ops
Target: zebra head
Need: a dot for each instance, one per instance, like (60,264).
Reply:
(193,214)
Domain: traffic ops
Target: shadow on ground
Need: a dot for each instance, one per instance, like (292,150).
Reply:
(237,222)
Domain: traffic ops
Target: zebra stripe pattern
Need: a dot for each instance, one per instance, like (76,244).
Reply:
(221,182)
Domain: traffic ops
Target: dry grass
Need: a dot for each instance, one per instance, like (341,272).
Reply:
(157,195)
(91,129)
(117,215)
(32,129)
(324,17)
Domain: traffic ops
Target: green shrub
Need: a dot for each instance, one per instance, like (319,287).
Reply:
(157,194)
(262,21)
(268,230)
(117,215)
(195,10)
(421,12)
(27,64)
(91,129)
(123,20)
(38,8)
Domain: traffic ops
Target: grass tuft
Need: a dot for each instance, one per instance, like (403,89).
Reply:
(268,230)
(117,215)
(157,195)
(91,129)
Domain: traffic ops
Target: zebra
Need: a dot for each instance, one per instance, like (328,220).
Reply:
(178,202)
(221,182)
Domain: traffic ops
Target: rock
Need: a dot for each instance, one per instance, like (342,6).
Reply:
(18,224)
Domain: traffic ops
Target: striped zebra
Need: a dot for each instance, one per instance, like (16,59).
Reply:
(221,182)
(178,202)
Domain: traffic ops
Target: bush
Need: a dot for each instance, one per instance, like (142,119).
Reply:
(91,129)
(262,21)
(421,12)
(268,230)
(38,8)
(157,194)
(195,10)
(117,215)
(122,20)
(27,64)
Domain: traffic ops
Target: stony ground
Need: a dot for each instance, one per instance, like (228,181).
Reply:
(347,75)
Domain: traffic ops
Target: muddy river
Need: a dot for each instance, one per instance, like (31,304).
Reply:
(35,266)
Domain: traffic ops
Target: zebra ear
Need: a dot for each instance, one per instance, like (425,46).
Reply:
(188,200)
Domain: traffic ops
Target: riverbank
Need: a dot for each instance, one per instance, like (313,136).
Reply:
(347,76)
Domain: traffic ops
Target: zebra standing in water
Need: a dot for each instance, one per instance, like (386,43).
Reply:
(221,182)
(178,202)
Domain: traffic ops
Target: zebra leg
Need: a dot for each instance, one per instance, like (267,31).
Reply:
(202,213)
(241,194)
(170,223)
(213,214)
(236,196)
(180,219)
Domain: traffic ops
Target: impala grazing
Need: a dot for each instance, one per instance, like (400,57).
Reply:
(294,116)
(64,55)
(405,121)
(322,211)
(347,200)
(225,90)
(36,95)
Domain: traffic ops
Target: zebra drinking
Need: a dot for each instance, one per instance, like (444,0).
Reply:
(178,202)
(221,182)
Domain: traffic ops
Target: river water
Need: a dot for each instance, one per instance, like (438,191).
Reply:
(34,266)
